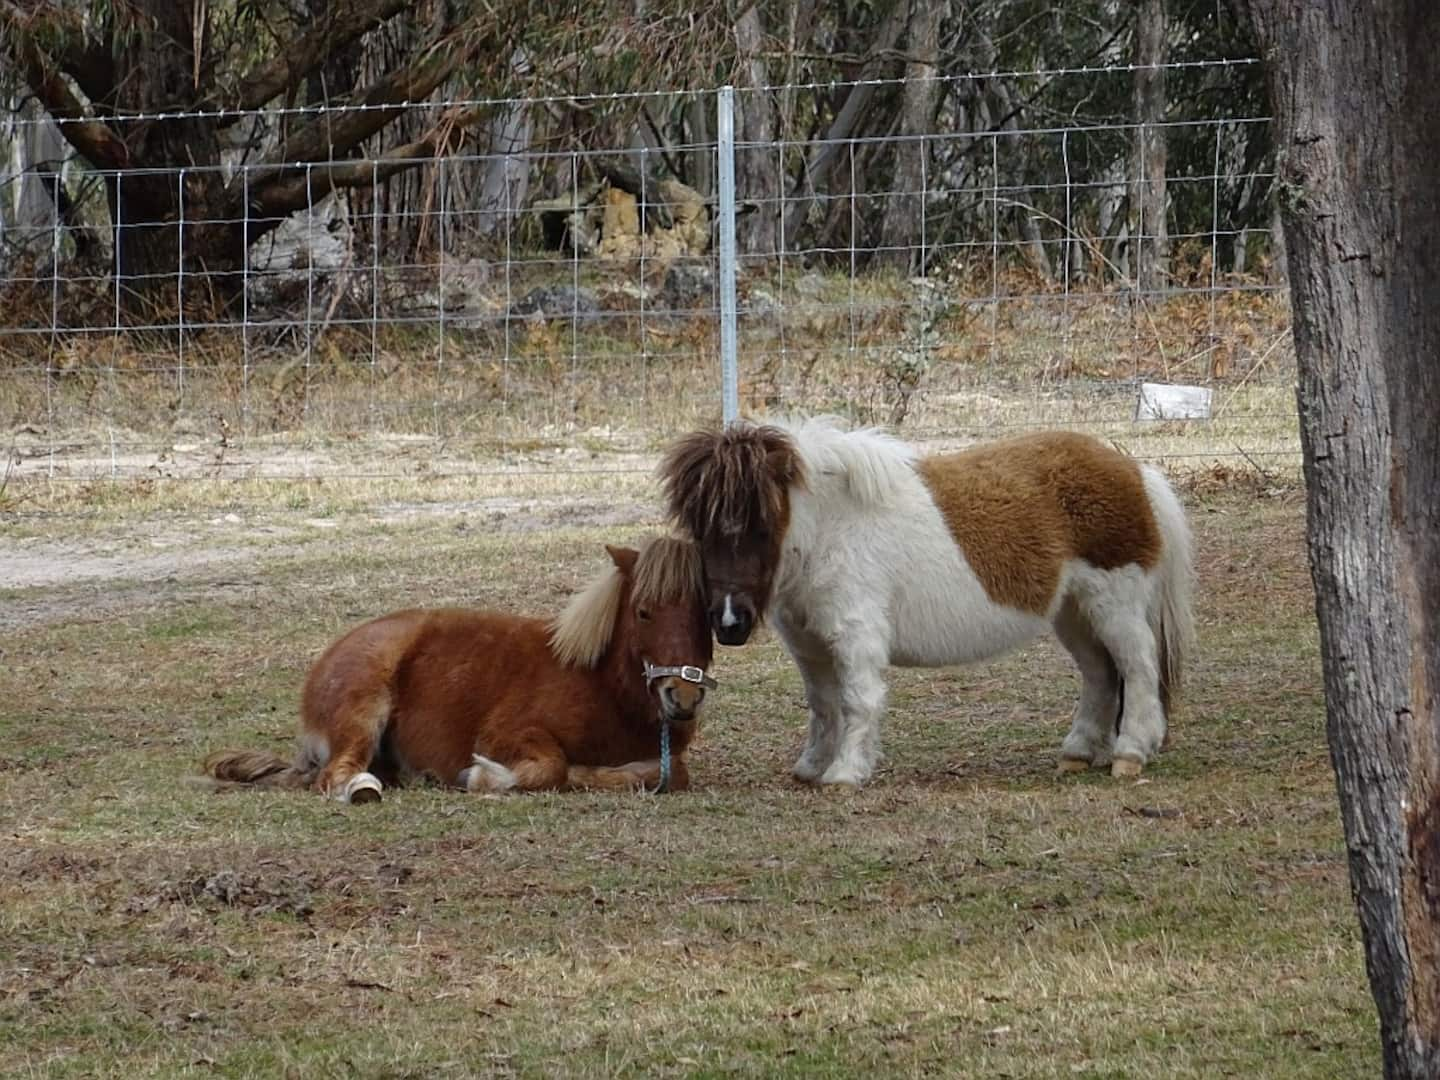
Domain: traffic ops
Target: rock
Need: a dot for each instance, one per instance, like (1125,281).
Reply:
(692,224)
(761,305)
(558,302)
(687,285)
(620,224)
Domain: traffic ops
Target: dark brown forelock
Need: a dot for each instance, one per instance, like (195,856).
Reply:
(731,480)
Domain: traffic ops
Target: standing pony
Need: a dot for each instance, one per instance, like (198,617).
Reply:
(492,702)
(866,554)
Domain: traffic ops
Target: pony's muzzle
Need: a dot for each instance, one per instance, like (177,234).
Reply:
(732,618)
(680,700)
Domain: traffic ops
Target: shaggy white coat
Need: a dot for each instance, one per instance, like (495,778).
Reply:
(870,576)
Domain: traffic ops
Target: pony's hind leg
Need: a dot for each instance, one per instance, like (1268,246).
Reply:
(352,740)
(1118,615)
(1091,738)
(530,761)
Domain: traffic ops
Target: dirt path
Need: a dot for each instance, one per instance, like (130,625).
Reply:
(139,564)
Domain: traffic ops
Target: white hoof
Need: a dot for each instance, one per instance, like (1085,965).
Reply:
(842,774)
(486,775)
(1071,765)
(362,788)
(1126,768)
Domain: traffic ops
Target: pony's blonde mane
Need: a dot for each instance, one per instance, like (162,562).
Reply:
(668,571)
(580,634)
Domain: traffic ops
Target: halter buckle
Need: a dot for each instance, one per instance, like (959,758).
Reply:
(688,672)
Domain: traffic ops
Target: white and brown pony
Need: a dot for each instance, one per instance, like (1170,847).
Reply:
(606,695)
(865,554)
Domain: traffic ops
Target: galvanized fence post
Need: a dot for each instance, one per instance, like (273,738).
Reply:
(725,173)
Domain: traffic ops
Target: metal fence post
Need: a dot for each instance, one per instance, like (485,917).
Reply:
(725,173)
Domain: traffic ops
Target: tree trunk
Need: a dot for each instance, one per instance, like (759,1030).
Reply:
(1355,90)
(836,149)
(901,233)
(757,170)
(156,218)
(1147,210)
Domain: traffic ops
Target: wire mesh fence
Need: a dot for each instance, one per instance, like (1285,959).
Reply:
(530,308)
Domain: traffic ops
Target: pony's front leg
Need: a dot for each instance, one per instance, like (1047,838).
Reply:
(860,666)
(822,695)
(632,776)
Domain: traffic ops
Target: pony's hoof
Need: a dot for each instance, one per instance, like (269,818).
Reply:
(1070,765)
(806,771)
(645,774)
(1125,768)
(844,779)
(486,775)
(362,788)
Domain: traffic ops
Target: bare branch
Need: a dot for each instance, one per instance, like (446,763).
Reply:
(92,138)
(91,67)
(272,202)
(309,52)
(329,136)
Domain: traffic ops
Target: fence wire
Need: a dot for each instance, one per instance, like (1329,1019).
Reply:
(532,310)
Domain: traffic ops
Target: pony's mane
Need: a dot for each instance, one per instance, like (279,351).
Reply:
(731,480)
(872,463)
(580,634)
(668,571)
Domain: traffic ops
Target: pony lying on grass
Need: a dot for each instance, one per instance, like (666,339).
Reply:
(599,697)
(866,554)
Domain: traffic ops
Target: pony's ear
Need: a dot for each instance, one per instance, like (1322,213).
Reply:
(624,559)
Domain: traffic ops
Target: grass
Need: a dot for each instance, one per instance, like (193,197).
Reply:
(967,914)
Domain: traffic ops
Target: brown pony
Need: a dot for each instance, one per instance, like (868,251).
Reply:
(494,702)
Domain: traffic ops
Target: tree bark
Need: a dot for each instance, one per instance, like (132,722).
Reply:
(1355,90)
(1147,209)
(901,233)
(757,168)
(836,147)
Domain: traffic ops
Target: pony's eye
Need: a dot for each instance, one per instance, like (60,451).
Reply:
(643,614)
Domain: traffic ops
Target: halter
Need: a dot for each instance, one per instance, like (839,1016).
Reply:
(689,673)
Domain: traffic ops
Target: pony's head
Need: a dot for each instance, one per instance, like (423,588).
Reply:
(647,613)
(729,488)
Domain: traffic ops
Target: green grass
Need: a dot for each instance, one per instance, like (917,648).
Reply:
(966,914)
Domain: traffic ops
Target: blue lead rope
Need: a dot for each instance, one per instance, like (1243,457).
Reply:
(664,784)
(690,674)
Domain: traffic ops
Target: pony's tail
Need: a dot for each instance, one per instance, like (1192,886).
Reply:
(1171,616)
(228,769)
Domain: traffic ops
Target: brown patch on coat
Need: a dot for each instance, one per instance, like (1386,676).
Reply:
(1020,508)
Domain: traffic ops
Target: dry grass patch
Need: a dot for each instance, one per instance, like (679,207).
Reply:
(967,914)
